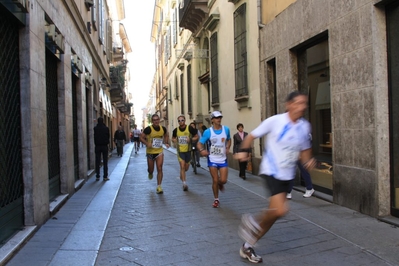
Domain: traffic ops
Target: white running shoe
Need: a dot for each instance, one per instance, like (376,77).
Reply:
(289,196)
(308,193)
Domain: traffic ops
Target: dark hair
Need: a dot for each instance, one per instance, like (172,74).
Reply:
(203,127)
(240,125)
(100,120)
(192,123)
(152,117)
(295,94)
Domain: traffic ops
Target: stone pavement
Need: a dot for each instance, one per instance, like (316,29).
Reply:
(124,222)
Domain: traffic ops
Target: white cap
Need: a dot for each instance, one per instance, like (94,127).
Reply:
(216,114)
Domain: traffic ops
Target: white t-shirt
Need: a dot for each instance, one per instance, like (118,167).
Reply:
(283,144)
(136,133)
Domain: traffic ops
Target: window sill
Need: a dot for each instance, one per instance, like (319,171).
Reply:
(240,99)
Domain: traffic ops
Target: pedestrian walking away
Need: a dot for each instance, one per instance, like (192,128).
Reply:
(308,183)
(154,137)
(101,141)
(136,139)
(288,139)
(218,137)
(237,140)
(119,139)
(182,136)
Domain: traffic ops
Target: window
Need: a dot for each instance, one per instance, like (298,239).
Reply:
(189,92)
(214,69)
(240,52)
(174,30)
(94,15)
(182,93)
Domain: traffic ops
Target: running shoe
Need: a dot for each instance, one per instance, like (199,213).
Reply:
(249,253)
(105,178)
(216,204)
(149,176)
(249,229)
(289,196)
(308,193)
(185,187)
(159,190)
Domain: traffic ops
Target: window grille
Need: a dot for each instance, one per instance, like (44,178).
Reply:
(240,52)
(214,69)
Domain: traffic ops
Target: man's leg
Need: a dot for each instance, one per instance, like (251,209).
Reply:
(215,181)
(159,162)
(105,160)
(98,162)
(278,207)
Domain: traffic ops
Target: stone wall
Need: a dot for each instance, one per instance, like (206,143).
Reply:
(356,36)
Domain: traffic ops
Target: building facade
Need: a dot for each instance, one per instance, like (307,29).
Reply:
(208,59)
(243,58)
(55,63)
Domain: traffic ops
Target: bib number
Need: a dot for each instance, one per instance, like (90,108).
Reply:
(157,143)
(183,140)
(216,150)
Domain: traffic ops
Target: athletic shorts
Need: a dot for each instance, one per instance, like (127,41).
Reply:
(136,139)
(153,156)
(276,186)
(217,165)
(184,156)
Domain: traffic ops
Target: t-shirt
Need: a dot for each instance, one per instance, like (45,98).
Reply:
(284,141)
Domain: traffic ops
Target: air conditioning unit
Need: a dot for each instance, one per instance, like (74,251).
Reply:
(88,78)
(77,63)
(51,33)
(59,42)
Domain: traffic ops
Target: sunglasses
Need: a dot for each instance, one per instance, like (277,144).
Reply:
(181,120)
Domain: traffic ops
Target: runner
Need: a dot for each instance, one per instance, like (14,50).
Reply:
(182,136)
(288,138)
(136,138)
(219,141)
(153,137)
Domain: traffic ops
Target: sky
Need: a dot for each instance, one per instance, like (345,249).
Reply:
(138,24)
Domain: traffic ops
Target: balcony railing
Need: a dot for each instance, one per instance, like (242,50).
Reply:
(193,14)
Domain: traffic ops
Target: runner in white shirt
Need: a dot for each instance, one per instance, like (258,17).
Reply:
(136,138)
(288,139)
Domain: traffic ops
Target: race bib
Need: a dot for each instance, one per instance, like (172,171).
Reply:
(157,143)
(216,149)
(183,140)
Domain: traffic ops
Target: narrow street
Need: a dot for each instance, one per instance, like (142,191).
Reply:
(182,228)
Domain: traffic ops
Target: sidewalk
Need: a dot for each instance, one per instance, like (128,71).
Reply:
(124,222)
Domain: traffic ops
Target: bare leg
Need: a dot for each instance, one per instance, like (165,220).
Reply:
(159,162)
(215,181)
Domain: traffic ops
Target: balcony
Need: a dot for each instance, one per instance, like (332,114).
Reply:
(193,14)
(117,76)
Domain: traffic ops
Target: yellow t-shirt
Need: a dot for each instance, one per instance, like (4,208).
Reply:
(183,139)
(156,139)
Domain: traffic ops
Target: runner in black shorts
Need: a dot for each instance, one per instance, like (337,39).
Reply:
(288,139)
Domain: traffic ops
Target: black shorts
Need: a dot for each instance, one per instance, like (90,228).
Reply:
(276,186)
(153,156)
(184,156)
(136,139)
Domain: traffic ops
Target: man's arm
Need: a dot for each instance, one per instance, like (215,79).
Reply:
(307,159)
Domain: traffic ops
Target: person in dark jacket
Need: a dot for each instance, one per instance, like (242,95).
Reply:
(119,138)
(238,138)
(101,141)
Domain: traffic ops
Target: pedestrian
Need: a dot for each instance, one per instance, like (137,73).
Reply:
(288,139)
(237,140)
(218,137)
(119,139)
(154,136)
(194,145)
(136,139)
(101,141)
(183,136)
(308,183)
